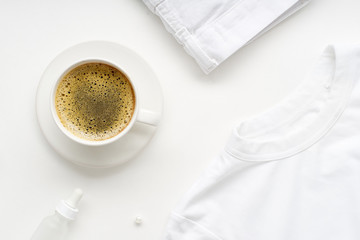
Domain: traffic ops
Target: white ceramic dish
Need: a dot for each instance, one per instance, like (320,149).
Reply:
(124,148)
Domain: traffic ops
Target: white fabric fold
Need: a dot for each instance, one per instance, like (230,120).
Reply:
(212,30)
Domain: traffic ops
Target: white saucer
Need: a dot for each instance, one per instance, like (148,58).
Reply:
(139,135)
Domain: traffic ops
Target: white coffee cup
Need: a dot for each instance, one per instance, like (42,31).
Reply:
(140,115)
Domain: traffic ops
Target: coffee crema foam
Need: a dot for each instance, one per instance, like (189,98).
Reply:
(95,101)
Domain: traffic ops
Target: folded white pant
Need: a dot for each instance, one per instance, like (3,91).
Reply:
(212,30)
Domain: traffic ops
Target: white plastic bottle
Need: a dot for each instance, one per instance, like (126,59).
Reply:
(55,227)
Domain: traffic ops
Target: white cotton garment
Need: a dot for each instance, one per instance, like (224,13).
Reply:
(292,173)
(212,30)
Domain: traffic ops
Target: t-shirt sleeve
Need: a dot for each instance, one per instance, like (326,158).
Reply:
(179,227)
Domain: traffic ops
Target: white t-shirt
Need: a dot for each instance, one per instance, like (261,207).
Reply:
(292,173)
(212,30)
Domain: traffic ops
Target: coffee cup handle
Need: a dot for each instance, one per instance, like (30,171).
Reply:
(148,117)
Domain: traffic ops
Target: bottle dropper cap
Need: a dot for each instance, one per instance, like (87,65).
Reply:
(68,207)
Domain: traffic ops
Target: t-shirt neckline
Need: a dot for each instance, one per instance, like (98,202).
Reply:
(310,112)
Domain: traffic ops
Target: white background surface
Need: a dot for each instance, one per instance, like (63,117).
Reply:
(199,110)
